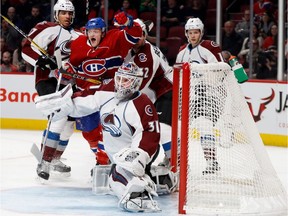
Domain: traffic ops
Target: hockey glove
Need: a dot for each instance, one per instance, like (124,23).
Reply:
(123,20)
(68,71)
(59,104)
(47,63)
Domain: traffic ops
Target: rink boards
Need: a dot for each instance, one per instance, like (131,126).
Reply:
(267,100)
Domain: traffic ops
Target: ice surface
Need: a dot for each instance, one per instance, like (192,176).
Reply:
(23,194)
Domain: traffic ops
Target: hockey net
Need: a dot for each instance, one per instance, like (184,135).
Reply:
(224,167)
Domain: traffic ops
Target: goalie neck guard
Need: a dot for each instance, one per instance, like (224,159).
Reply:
(128,80)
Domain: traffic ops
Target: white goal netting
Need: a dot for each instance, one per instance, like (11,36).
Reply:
(224,165)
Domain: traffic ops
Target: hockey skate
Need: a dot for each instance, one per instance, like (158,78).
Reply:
(139,202)
(57,166)
(211,168)
(43,170)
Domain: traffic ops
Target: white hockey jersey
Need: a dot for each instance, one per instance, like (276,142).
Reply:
(205,52)
(133,123)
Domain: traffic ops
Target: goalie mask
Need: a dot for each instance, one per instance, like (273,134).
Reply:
(128,80)
(63,5)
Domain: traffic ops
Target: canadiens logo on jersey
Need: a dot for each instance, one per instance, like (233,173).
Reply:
(111,124)
(97,67)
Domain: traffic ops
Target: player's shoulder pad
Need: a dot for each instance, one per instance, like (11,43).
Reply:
(182,47)
(45,24)
(209,44)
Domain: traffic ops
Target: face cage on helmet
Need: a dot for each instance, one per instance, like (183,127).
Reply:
(124,89)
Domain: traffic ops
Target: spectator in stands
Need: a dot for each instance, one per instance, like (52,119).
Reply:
(31,20)
(194,8)
(271,39)
(231,40)
(3,46)
(171,15)
(244,56)
(243,27)
(97,9)
(267,64)
(265,24)
(23,8)
(12,36)
(18,61)
(14,17)
(128,8)
(256,36)
(147,6)
(262,6)
(6,65)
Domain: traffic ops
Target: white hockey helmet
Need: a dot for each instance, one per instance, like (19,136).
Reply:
(194,23)
(63,5)
(128,80)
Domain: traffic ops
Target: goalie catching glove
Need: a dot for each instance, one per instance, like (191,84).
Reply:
(58,104)
(45,62)
(133,160)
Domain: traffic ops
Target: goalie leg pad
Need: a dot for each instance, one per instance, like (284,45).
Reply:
(166,180)
(137,196)
(100,179)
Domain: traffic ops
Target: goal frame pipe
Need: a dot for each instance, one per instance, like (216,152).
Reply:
(175,111)
(184,137)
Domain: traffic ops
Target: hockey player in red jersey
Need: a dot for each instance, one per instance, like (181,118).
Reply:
(131,132)
(98,55)
(52,36)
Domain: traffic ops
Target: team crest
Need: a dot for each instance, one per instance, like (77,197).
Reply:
(94,67)
(214,44)
(142,57)
(148,110)
(111,124)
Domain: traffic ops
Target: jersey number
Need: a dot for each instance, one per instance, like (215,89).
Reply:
(154,126)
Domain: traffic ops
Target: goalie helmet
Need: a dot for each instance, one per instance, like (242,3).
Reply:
(194,23)
(128,80)
(63,5)
(146,26)
(96,23)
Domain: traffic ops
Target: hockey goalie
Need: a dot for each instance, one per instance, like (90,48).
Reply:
(131,137)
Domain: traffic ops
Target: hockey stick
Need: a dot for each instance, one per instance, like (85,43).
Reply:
(34,149)
(28,38)
(77,76)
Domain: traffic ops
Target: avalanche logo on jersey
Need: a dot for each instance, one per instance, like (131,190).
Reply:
(97,67)
(142,57)
(111,124)
(148,110)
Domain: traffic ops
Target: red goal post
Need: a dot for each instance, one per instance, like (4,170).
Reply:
(223,166)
